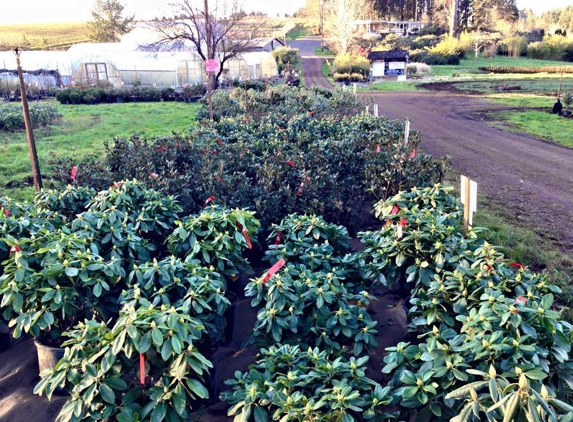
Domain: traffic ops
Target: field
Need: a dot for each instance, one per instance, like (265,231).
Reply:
(81,135)
(46,36)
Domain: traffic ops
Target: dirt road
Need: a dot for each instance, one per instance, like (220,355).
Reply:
(531,178)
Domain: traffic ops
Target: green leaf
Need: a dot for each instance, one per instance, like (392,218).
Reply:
(144,343)
(510,409)
(107,393)
(261,414)
(198,388)
(158,413)
(464,390)
(116,383)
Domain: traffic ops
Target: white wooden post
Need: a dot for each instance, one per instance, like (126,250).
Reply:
(406,132)
(469,200)
(376,110)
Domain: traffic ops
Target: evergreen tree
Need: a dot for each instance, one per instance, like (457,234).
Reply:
(108,23)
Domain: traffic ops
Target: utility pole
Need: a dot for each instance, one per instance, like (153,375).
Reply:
(36,175)
(210,56)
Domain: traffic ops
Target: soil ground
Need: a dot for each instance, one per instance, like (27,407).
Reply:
(529,177)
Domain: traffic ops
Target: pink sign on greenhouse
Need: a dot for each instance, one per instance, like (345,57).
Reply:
(211,65)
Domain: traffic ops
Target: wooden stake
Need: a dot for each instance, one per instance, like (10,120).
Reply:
(560,82)
(469,200)
(466,201)
(36,175)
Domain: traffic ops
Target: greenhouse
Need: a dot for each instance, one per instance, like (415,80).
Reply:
(117,64)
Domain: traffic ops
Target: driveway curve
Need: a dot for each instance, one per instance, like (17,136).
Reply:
(532,179)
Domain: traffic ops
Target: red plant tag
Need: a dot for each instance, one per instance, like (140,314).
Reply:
(413,154)
(395,209)
(378,149)
(116,185)
(278,238)
(153,175)
(403,222)
(516,265)
(16,248)
(73,173)
(211,198)
(246,234)
(520,300)
(311,112)
(6,213)
(219,141)
(142,368)
(272,271)
(245,120)
(290,163)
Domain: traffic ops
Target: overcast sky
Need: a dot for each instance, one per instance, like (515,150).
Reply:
(38,11)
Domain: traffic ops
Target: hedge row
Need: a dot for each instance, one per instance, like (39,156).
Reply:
(121,95)
(522,69)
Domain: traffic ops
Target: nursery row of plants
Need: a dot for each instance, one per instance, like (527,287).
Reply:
(139,293)
(127,94)
(527,70)
(277,152)
(11,117)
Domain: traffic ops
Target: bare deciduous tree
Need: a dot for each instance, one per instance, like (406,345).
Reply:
(216,29)
(338,18)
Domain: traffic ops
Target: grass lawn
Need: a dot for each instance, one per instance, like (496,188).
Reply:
(299,31)
(81,134)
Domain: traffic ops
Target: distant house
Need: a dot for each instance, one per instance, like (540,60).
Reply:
(388,63)
(383,27)
(265,44)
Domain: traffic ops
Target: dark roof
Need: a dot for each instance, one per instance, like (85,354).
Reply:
(384,55)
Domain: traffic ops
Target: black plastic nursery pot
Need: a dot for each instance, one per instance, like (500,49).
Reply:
(4,337)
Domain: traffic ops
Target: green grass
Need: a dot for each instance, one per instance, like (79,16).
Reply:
(319,51)
(541,124)
(81,134)
(392,85)
(299,31)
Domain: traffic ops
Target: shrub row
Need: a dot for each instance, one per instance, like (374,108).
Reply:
(276,164)
(522,69)
(11,117)
(112,95)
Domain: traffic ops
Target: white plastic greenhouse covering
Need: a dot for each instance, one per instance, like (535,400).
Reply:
(90,64)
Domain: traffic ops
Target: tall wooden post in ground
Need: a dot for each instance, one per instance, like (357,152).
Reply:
(36,175)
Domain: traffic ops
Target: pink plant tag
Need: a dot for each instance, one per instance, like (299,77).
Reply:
(520,300)
(413,154)
(142,368)
(272,271)
(246,234)
(210,199)
(73,173)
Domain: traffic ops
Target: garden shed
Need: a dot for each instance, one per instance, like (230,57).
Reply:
(388,63)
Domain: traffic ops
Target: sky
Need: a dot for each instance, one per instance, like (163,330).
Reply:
(40,11)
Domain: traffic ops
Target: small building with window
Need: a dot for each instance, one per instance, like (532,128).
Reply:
(388,63)
(384,27)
